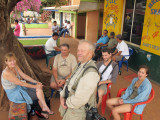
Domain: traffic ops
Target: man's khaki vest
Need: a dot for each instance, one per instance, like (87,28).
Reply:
(90,67)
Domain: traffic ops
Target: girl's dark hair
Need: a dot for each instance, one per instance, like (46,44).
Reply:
(145,67)
(109,51)
(16,21)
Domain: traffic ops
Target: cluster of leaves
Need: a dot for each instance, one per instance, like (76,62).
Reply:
(51,3)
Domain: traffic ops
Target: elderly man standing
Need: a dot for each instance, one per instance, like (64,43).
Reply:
(63,66)
(82,85)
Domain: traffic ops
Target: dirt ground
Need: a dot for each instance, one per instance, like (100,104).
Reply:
(40,32)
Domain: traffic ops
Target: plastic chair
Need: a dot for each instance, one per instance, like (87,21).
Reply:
(128,115)
(103,105)
(47,55)
(124,60)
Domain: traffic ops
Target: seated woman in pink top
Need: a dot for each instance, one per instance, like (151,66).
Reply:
(17,29)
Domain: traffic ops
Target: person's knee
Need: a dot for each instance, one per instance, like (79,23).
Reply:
(115,111)
(100,93)
(108,102)
(53,85)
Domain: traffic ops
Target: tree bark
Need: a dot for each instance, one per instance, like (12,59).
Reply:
(9,43)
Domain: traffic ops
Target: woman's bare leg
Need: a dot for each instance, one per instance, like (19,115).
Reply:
(112,102)
(42,101)
(121,109)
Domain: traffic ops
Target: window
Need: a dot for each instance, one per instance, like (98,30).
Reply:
(133,20)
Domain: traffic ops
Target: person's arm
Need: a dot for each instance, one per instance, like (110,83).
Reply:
(12,78)
(115,51)
(145,92)
(113,47)
(114,73)
(16,28)
(119,53)
(105,82)
(24,76)
(55,74)
(57,48)
(87,84)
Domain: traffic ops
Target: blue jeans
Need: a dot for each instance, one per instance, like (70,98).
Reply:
(54,53)
(63,31)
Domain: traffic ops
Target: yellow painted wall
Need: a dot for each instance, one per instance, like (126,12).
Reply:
(151,29)
(113,15)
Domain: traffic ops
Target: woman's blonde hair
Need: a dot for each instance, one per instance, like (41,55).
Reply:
(9,56)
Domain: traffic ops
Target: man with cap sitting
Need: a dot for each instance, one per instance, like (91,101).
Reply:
(121,49)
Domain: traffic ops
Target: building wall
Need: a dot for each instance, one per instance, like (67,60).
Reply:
(100,26)
(151,29)
(92,19)
(73,25)
(81,24)
(139,57)
(113,15)
(75,2)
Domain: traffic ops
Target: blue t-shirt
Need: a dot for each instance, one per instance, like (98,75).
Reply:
(103,40)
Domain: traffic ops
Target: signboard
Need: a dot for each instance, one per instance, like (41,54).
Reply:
(151,28)
(113,13)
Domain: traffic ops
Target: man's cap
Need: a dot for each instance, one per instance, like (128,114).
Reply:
(119,36)
(112,33)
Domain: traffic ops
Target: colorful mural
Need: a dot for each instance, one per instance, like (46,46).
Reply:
(113,13)
(151,29)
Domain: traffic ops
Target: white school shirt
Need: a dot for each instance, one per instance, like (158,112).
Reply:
(50,44)
(107,74)
(124,48)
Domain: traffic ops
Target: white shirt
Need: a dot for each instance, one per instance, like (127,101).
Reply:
(50,44)
(124,48)
(65,25)
(55,28)
(68,26)
(107,74)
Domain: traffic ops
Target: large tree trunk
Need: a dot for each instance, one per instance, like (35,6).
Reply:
(9,43)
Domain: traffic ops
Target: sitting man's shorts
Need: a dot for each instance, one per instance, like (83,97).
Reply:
(119,58)
(103,87)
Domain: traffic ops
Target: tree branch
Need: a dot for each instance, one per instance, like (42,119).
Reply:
(11,4)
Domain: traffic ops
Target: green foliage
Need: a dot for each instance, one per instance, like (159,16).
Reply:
(33,42)
(52,3)
(36,25)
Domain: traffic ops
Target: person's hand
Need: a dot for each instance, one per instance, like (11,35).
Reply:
(39,86)
(120,101)
(100,83)
(63,102)
(61,82)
